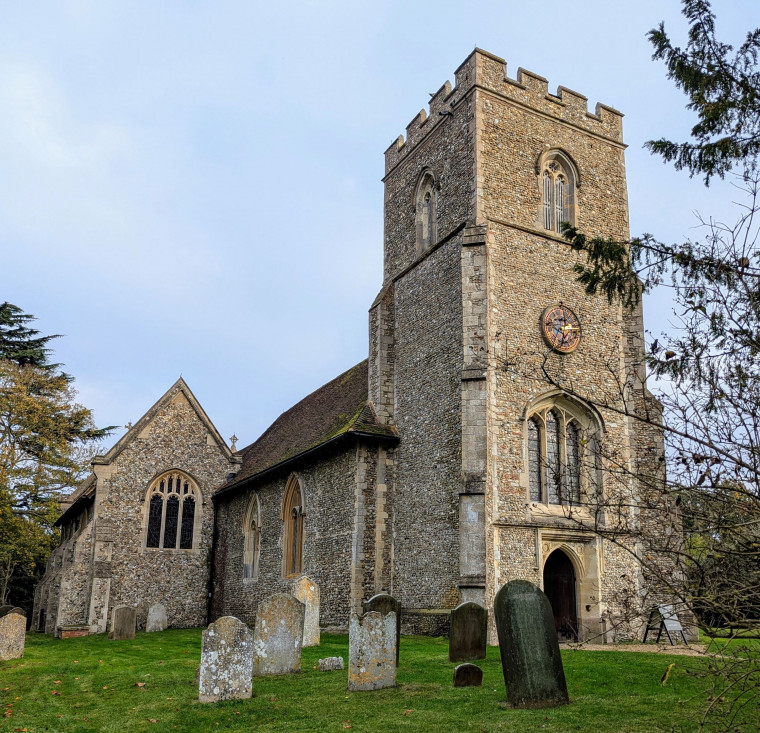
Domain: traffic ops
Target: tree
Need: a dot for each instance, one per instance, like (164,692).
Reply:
(707,368)
(46,444)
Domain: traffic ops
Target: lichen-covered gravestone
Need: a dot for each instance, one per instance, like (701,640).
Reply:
(12,633)
(371,651)
(467,632)
(468,675)
(530,657)
(307,591)
(277,636)
(330,663)
(123,623)
(157,620)
(226,661)
(384,604)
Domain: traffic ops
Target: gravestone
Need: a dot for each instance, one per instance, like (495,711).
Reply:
(331,663)
(371,651)
(123,623)
(468,629)
(12,633)
(384,603)
(307,591)
(141,616)
(530,658)
(226,661)
(468,675)
(156,618)
(277,635)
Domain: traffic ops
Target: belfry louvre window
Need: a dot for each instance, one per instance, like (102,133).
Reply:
(425,212)
(293,530)
(555,449)
(172,507)
(558,181)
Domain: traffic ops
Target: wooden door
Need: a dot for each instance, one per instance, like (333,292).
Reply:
(559,586)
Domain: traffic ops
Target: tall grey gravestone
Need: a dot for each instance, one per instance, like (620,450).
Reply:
(123,623)
(371,651)
(12,633)
(468,630)
(384,604)
(226,661)
(278,635)
(156,620)
(307,591)
(530,658)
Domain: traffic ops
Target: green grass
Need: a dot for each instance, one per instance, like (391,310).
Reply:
(89,684)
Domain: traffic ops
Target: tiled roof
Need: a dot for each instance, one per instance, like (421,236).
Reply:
(339,408)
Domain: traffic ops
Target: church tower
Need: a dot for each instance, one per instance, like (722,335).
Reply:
(483,344)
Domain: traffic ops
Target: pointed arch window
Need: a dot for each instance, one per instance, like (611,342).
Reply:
(293,531)
(558,183)
(561,456)
(425,207)
(251,539)
(172,516)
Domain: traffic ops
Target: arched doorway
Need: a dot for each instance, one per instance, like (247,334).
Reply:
(559,586)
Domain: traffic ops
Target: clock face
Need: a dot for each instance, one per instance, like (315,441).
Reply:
(560,328)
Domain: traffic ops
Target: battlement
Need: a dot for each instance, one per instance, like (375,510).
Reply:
(486,71)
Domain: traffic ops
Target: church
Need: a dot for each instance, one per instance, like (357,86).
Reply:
(459,455)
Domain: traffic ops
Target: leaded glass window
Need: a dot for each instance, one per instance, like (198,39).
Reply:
(293,518)
(558,179)
(251,539)
(172,507)
(534,460)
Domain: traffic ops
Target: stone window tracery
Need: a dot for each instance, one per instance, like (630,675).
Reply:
(561,453)
(558,183)
(425,207)
(252,539)
(293,531)
(172,512)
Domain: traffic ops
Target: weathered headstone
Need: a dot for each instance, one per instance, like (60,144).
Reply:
(530,657)
(468,630)
(331,663)
(307,591)
(384,603)
(123,623)
(371,651)
(12,633)
(141,616)
(156,618)
(226,661)
(468,675)
(277,636)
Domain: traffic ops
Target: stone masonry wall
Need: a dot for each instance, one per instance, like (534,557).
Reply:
(126,572)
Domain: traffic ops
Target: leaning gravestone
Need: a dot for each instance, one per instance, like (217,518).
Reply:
(468,675)
(123,623)
(12,633)
(307,591)
(226,661)
(530,658)
(277,636)
(384,604)
(467,632)
(371,651)
(156,618)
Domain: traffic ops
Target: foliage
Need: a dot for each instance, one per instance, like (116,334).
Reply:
(723,89)
(46,443)
(97,679)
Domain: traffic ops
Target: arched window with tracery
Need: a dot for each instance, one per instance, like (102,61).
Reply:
(562,443)
(559,180)
(251,539)
(173,507)
(425,208)
(293,531)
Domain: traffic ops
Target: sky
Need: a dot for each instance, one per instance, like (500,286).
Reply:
(194,188)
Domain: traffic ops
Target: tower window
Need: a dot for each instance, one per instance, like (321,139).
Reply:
(558,183)
(425,205)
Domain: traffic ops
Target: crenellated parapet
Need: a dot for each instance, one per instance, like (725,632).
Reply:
(489,73)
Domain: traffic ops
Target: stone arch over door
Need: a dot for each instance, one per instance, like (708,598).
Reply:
(560,587)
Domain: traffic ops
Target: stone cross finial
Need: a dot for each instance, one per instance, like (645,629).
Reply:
(233,440)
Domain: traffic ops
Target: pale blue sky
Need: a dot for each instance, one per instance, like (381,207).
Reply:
(194,187)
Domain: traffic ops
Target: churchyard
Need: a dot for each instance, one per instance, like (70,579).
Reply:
(149,683)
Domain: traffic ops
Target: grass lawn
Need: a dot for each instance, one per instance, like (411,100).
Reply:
(91,684)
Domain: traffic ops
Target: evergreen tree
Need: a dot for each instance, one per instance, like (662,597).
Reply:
(22,344)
